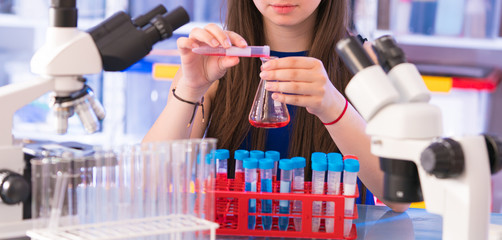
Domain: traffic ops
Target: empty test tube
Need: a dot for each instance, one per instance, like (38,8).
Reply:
(266,165)
(319,167)
(250,166)
(222,156)
(239,157)
(274,155)
(286,166)
(335,168)
(298,187)
(351,168)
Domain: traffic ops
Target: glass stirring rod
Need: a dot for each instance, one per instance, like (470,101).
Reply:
(250,51)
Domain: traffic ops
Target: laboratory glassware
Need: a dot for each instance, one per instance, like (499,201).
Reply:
(274,155)
(250,166)
(350,170)
(267,112)
(298,187)
(319,167)
(249,51)
(239,156)
(335,168)
(286,166)
(266,165)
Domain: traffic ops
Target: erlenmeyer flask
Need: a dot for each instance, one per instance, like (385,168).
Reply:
(266,112)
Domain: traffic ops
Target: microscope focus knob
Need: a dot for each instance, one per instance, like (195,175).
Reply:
(14,188)
(443,159)
(494,147)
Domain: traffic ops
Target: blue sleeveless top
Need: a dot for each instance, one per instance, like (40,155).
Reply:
(278,138)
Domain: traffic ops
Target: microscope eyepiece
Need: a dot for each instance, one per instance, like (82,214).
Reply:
(388,52)
(144,19)
(353,54)
(63,13)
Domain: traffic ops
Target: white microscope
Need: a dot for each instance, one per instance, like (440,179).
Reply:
(406,134)
(69,54)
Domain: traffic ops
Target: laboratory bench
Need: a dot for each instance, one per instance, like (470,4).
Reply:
(381,223)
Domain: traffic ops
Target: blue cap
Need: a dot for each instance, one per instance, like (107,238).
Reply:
(318,156)
(256,154)
(286,164)
(266,163)
(274,155)
(222,154)
(319,166)
(335,162)
(351,165)
(241,154)
(300,162)
(250,163)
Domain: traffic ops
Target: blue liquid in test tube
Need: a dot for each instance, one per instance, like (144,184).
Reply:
(266,165)
(319,167)
(286,166)
(250,166)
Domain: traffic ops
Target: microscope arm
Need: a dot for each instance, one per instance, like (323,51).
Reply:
(15,96)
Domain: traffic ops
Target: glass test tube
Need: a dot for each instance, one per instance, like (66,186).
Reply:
(258,154)
(335,168)
(266,165)
(319,167)
(351,168)
(298,187)
(274,155)
(125,155)
(286,166)
(40,191)
(209,179)
(239,156)
(222,156)
(250,166)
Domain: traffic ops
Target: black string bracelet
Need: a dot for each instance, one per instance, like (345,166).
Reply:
(197,104)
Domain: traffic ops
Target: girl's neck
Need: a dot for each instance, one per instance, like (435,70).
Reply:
(289,38)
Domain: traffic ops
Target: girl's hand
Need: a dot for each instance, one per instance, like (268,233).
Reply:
(303,81)
(200,71)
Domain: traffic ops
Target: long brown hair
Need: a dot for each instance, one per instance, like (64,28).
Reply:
(234,97)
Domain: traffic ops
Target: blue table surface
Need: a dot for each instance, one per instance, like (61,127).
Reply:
(380,222)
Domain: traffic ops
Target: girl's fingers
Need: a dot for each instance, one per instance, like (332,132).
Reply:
(186,44)
(201,35)
(226,62)
(237,39)
(298,88)
(304,75)
(220,36)
(297,100)
(292,62)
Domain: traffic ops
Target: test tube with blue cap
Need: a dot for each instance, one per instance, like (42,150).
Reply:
(351,168)
(298,187)
(258,154)
(222,156)
(274,155)
(239,157)
(319,167)
(335,168)
(286,166)
(250,178)
(266,165)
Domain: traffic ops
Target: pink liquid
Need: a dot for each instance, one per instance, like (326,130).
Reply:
(268,125)
(252,55)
